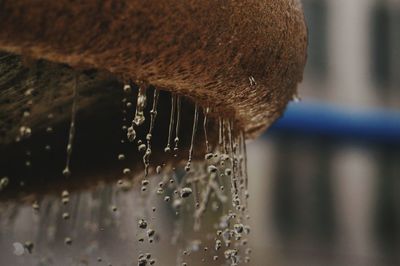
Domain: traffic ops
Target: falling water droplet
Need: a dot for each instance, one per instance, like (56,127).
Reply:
(296,98)
(25,132)
(35,206)
(186,192)
(150,232)
(65,194)
(140,106)
(29,246)
(4,183)
(142,147)
(158,169)
(142,224)
(65,215)
(212,169)
(127,88)
(68,241)
(18,249)
(131,134)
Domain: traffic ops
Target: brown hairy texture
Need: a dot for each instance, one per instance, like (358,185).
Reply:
(206,50)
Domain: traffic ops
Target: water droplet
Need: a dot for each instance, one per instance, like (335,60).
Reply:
(29,246)
(66,172)
(4,183)
(142,147)
(158,169)
(142,224)
(35,206)
(29,92)
(65,194)
(121,157)
(65,215)
(296,98)
(150,232)
(18,249)
(65,201)
(186,192)
(212,169)
(25,132)
(228,171)
(238,228)
(131,134)
(68,241)
(140,106)
(208,156)
(160,191)
(127,88)
(218,244)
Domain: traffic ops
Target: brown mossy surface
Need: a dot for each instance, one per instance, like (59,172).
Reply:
(206,50)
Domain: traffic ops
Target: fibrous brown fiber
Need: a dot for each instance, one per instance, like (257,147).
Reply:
(243,59)
(207,50)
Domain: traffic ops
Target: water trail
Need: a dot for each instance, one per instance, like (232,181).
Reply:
(220,141)
(153,115)
(245,173)
(178,118)
(194,129)
(206,111)
(171,122)
(71,134)
(225,165)
(233,159)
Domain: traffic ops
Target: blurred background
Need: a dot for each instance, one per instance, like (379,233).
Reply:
(325,179)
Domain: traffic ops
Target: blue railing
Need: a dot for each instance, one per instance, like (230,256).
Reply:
(316,118)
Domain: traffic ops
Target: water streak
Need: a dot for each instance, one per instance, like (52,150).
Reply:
(71,134)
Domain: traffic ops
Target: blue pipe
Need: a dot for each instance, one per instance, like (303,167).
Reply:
(316,118)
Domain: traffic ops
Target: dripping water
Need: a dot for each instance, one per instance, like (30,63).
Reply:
(206,111)
(195,120)
(178,118)
(71,133)
(171,123)
(192,195)
(153,115)
(140,105)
